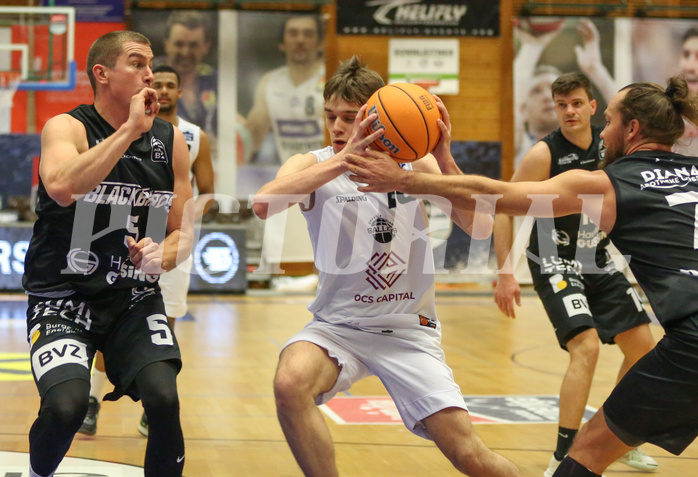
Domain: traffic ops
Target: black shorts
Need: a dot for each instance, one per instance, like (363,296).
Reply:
(574,303)
(129,326)
(657,400)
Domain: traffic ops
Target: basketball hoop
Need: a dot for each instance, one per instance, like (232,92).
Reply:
(9,82)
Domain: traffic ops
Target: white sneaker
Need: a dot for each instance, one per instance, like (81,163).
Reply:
(552,467)
(639,460)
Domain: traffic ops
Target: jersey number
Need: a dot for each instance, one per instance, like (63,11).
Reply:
(160,331)
(132,227)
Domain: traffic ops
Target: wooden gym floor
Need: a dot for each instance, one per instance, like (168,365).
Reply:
(230,351)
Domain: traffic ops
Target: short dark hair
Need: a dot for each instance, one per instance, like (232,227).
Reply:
(690,33)
(353,82)
(660,111)
(107,48)
(191,19)
(568,82)
(168,69)
(319,24)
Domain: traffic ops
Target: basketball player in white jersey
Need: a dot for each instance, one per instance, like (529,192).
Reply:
(174,284)
(374,313)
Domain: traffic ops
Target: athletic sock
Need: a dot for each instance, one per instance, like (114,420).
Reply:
(565,437)
(97,382)
(571,468)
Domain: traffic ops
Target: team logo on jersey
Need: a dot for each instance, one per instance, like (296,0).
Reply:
(568,159)
(428,322)
(560,237)
(158,153)
(666,179)
(384,269)
(188,136)
(83,262)
(382,229)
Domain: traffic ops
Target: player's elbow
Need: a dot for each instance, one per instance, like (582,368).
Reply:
(61,193)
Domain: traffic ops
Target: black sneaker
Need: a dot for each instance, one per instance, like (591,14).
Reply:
(89,424)
(143,425)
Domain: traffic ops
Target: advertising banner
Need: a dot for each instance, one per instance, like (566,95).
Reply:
(418,17)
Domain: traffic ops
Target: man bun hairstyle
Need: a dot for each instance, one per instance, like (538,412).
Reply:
(660,111)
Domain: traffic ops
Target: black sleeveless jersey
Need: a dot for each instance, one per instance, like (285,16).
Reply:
(561,237)
(82,247)
(656,216)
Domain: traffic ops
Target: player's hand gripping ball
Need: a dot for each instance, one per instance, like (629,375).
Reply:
(407,113)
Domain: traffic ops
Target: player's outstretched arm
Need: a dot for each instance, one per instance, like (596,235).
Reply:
(568,191)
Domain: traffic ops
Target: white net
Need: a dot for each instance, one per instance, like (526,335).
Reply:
(9,81)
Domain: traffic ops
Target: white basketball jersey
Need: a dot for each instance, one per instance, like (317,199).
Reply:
(296,112)
(373,255)
(192,134)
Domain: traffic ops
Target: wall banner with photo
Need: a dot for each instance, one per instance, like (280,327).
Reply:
(186,40)
(546,47)
(280,77)
(662,49)
(418,18)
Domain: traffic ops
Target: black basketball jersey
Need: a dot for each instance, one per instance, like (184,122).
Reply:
(656,216)
(563,236)
(82,247)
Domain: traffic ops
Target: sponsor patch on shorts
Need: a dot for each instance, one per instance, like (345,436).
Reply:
(576,304)
(557,282)
(58,353)
(428,322)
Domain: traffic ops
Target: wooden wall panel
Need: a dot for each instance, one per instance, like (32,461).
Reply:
(480,111)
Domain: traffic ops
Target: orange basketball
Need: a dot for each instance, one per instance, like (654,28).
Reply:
(407,113)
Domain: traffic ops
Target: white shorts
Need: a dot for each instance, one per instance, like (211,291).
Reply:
(175,286)
(409,362)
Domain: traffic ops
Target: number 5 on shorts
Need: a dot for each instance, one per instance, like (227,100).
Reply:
(161,334)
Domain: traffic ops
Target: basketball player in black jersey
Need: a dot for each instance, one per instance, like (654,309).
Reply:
(586,298)
(645,199)
(113,186)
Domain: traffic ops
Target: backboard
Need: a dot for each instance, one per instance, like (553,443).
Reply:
(39,44)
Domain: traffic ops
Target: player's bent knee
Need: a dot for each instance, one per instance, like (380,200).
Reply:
(160,403)
(289,386)
(66,405)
